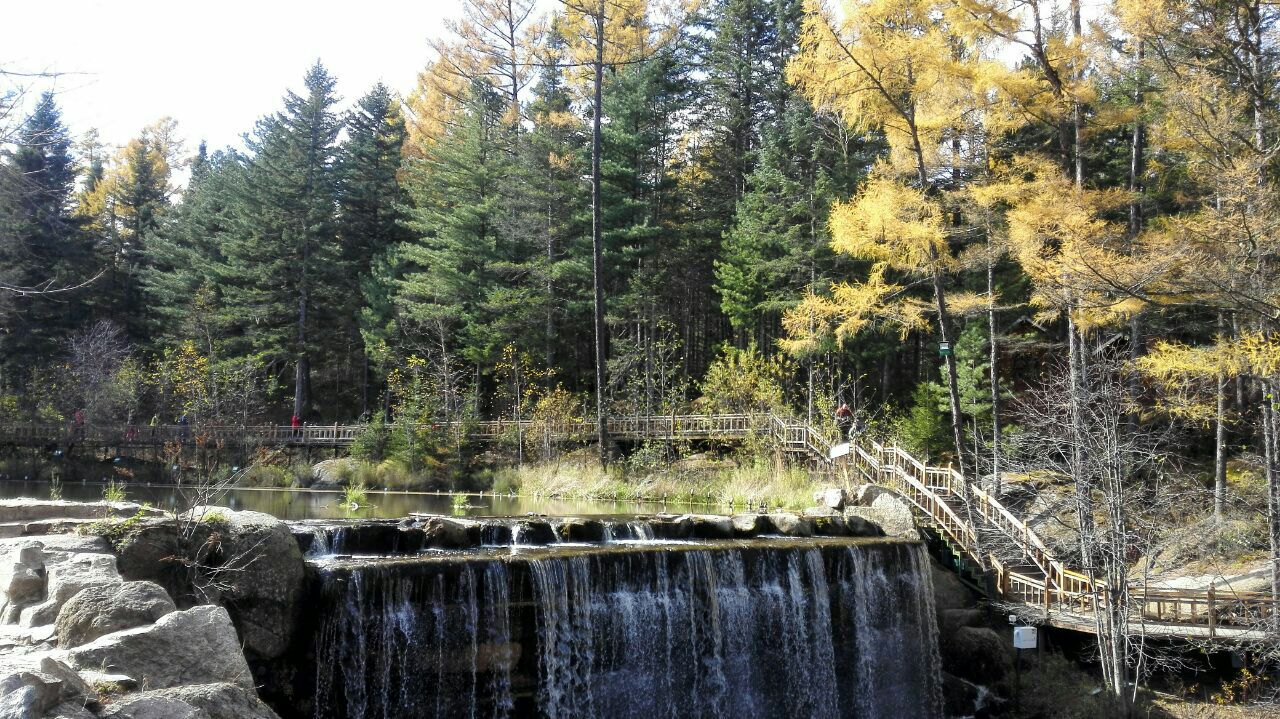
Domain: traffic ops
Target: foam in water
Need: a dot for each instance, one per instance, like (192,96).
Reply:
(733,629)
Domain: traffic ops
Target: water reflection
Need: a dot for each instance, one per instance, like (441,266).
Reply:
(323,504)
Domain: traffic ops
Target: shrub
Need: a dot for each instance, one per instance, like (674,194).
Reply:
(356,495)
(266,475)
(114,491)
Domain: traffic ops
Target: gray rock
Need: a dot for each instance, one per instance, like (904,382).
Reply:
(977,654)
(451,533)
(888,510)
(260,562)
(948,591)
(195,646)
(211,701)
(666,526)
(711,526)
(332,473)
(74,687)
(581,530)
(102,610)
(865,495)
(952,620)
(70,710)
(21,579)
(748,525)
(829,525)
(34,510)
(860,526)
(67,578)
(150,705)
(20,586)
(535,531)
(832,498)
(28,694)
(791,525)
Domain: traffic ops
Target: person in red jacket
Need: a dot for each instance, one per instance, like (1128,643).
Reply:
(844,419)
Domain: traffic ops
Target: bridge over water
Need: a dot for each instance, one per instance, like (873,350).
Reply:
(974,525)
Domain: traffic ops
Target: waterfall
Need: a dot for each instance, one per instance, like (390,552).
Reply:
(822,628)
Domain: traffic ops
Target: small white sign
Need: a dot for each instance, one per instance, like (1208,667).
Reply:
(1024,637)
(840,450)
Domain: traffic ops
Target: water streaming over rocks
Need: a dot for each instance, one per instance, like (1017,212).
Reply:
(747,628)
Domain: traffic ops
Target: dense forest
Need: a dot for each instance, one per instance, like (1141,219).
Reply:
(916,208)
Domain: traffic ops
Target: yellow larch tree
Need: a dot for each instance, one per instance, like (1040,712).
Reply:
(894,66)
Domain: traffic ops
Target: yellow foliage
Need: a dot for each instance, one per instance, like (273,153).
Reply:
(891,224)
(1061,236)
(435,101)
(888,65)
(626,29)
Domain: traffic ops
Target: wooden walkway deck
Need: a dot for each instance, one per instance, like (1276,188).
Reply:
(959,512)
(793,436)
(962,513)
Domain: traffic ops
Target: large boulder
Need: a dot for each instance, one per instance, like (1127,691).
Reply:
(332,473)
(195,646)
(198,701)
(886,509)
(257,561)
(451,532)
(109,608)
(712,526)
(67,578)
(977,654)
(28,694)
(21,580)
(833,498)
(748,525)
(791,525)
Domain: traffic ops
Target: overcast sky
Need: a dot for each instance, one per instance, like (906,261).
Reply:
(214,65)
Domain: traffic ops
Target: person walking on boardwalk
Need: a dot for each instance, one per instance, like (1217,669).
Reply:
(844,419)
(183,425)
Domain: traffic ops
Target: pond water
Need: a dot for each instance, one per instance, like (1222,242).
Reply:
(324,504)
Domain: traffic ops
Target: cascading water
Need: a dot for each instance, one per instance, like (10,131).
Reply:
(758,628)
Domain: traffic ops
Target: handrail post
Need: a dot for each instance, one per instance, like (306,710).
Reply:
(1212,612)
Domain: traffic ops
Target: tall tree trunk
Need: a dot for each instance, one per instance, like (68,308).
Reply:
(302,373)
(1270,438)
(1270,450)
(994,373)
(953,384)
(1077,112)
(597,238)
(1080,479)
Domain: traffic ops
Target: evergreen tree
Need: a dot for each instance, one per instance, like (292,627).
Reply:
(285,270)
(449,267)
(42,243)
(185,263)
(370,221)
(779,246)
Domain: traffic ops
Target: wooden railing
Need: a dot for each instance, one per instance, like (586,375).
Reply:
(699,426)
(961,512)
(945,501)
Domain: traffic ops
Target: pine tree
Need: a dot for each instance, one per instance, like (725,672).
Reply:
(185,262)
(448,267)
(285,271)
(370,223)
(42,243)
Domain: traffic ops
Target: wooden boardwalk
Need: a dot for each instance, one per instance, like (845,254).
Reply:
(1025,569)
(963,514)
(794,436)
